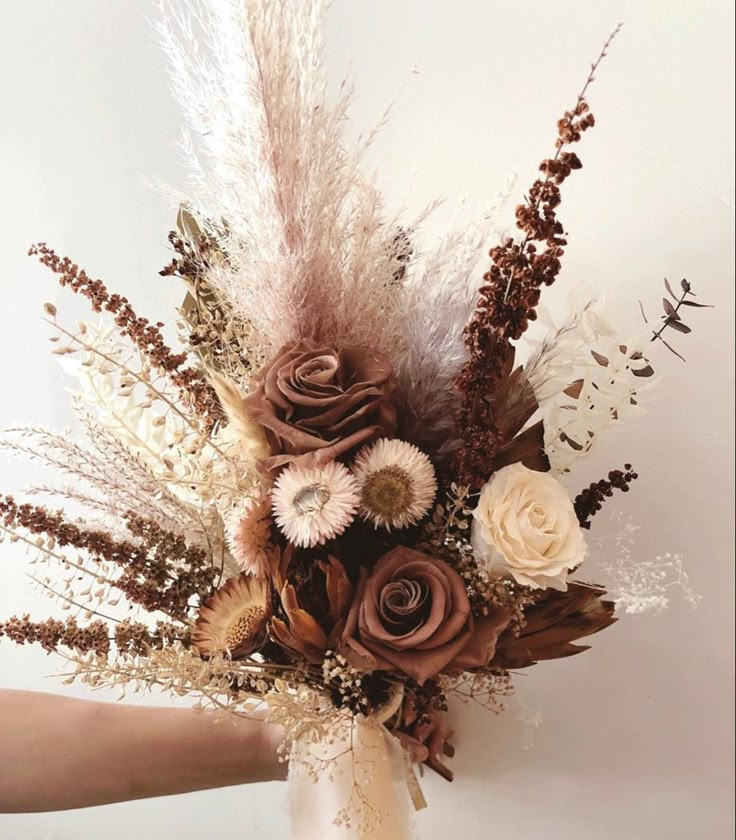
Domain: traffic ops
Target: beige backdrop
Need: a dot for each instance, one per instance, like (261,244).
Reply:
(636,737)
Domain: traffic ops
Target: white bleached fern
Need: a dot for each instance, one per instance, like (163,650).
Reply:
(587,381)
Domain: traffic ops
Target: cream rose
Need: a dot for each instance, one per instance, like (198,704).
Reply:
(525,524)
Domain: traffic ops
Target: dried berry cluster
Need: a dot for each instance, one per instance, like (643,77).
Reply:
(52,634)
(147,337)
(402,250)
(590,500)
(148,577)
(427,699)
(203,311)
(129,636)
(188,262)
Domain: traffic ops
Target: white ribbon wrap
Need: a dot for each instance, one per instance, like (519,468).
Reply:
(365,776)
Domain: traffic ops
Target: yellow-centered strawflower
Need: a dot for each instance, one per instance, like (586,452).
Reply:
(397,483)
(234,619)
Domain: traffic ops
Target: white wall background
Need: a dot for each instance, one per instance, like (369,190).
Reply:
(637,735)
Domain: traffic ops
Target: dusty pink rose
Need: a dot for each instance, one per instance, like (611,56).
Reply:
(317,402)
(412,614)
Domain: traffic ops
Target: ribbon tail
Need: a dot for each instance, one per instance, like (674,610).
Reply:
(359,782)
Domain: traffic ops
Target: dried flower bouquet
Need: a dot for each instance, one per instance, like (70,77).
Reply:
(341,499)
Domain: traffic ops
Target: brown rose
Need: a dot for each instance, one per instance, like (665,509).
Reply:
(317,403)
(412,614)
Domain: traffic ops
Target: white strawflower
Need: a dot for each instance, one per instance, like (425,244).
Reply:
(312,505)
(397,483)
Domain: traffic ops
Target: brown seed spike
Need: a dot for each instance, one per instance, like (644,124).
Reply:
(510,294)
(145,336)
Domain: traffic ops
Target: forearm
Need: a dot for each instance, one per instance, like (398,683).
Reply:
(58,753)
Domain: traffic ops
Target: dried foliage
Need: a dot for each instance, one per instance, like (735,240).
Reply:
(159,571)
(553,623)
(672,318)
(211,328)
(588,383)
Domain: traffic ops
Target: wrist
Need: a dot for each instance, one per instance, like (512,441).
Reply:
(269,737)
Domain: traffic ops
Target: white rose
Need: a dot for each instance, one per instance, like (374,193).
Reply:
(525,524)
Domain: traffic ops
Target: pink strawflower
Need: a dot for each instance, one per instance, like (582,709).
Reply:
(248,533)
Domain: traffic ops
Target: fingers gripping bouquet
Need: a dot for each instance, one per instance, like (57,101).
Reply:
(342,499)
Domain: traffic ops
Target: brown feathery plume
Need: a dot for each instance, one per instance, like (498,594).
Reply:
(589,501)
(149,577)
(552,624)
(508,301)
(52,634)
(147,337)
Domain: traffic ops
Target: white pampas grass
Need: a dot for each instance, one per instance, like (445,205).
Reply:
(309,249)
(437,304)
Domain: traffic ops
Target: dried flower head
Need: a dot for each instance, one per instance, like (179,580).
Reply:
(234,619)
(248,533)
(315,594)
(312,505)
(397,483)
